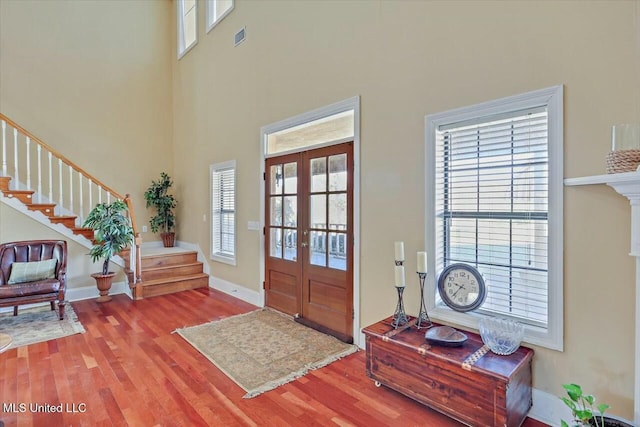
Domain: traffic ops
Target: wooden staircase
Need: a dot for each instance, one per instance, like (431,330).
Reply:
(162,271)
(48,209)
(169,270)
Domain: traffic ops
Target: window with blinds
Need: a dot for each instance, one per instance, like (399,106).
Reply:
(223,212)
(494,201)
(492,191)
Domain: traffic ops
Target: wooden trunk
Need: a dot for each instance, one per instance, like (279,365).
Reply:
(490,391)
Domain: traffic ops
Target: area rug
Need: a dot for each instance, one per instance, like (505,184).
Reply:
(262,350)
(34,325)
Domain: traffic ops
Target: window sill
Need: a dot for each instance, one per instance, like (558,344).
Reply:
(186,50)
(223,259)
(533,335)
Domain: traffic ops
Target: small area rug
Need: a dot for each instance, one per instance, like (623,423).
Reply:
(38,324)
(262,350)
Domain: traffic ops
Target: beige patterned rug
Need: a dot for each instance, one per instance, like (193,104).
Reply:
(262,350)
(39,324)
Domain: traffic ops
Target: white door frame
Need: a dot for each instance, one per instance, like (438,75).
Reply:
(309,116)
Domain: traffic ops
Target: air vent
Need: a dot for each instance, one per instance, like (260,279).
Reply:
(240,36)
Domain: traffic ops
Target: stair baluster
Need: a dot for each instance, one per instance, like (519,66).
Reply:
(4,148)
(39,151)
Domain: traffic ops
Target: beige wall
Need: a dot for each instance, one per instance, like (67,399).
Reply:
(407,59)
(93,80)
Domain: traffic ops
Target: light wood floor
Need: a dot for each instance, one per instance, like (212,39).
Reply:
(129,369)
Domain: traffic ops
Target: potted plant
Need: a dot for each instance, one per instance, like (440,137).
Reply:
(112,233)
(582,409)
(158,197)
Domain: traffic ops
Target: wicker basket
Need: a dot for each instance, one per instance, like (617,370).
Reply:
(623,161)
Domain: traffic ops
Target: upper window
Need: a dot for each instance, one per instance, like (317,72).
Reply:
(187,25)
(216,10)
(223,212)
(497,193)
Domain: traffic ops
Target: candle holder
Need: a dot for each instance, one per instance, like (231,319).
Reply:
(399,317)
(423,320)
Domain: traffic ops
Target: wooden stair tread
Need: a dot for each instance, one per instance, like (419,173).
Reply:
(4,183)
(168,254)
(62,217)
(173,279)
(25,196)
(86,232)
(19,192)
(46,208)
(170,267)
(168,259)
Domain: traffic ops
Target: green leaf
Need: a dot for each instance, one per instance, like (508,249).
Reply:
(574,391)
(584,414)
(589,398)
(563,423)
(156,197)
(569,403)
(113,231)
(603,407)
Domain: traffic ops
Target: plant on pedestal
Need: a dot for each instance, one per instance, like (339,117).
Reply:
(158,197)
(112,233)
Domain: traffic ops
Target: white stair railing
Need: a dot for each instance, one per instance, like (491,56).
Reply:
(68,185)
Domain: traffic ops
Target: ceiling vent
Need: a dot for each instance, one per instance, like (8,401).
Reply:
(240,36)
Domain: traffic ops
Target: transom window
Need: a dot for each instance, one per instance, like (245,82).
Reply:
(492,206)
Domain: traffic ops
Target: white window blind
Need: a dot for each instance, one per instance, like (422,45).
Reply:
(492,188)
(223,212)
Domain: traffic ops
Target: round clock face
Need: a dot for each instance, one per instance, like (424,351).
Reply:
(462,287)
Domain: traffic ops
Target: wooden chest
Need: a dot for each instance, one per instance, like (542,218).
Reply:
(468,383)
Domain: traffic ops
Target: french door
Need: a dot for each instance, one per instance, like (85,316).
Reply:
(309,237)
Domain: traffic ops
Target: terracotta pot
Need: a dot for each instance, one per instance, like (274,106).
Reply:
(168,239)
(103,282)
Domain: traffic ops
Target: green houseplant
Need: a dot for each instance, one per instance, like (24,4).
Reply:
(157,196)
(583,412)
(112,233)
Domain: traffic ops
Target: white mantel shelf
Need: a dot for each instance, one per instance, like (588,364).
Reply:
(609,179)
(628,185)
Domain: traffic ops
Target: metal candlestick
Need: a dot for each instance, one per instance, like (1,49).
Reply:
(399,317)
(423,320)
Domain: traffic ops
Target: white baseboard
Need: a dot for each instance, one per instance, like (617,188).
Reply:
(237,291)
(548,408)
(88,292)
(78,294)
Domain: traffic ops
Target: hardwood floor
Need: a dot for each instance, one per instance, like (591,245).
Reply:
(129,369)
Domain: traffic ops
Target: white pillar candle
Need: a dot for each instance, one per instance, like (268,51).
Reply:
(399,246)
(399,276)
(422,262)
